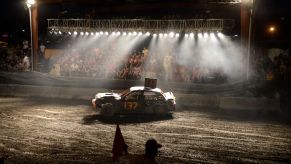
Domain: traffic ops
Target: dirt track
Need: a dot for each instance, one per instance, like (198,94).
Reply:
(46,131)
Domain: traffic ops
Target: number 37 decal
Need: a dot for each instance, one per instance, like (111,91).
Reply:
(130,105)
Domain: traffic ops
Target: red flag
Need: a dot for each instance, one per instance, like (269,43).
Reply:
(119,146)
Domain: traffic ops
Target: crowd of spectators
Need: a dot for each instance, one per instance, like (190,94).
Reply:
(278,68)
(14,58)
(96,63)
(136,65)
(273,75)
(100,63)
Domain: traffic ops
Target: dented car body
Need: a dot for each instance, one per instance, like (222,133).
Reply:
(139,99)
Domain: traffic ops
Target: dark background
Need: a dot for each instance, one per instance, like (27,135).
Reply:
(15,17)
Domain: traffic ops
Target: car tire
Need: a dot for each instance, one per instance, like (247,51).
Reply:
(107,110)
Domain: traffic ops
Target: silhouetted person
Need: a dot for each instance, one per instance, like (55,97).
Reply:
(1,160)
(151,151)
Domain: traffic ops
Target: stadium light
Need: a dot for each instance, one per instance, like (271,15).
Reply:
(212,37)
(191,34)
(219,34)
(212,34)
(200,35)
(171,34)
(29,3)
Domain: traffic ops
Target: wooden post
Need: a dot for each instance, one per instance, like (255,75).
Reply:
(34,30)
(246,31)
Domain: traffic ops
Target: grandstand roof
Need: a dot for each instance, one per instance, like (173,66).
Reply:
(200,8)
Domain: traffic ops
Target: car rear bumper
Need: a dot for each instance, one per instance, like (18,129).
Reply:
(94,103)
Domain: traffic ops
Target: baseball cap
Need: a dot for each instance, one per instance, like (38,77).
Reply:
(152,143)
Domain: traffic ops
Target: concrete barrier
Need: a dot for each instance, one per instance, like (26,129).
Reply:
(48,91)
(194,100)
(249,103)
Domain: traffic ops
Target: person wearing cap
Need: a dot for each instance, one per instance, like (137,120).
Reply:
(151,151)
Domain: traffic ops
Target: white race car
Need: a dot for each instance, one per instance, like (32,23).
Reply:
(138,99)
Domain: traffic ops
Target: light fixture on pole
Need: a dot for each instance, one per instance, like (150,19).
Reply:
(29,4)
(272,29)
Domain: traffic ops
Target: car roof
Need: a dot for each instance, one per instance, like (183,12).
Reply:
(136,88)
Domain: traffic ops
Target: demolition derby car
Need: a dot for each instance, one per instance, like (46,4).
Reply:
(135,100)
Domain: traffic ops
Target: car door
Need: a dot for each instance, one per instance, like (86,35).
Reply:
(153,99)
(149,100)
(132,103)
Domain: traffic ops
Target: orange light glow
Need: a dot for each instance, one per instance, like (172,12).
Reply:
(272,29)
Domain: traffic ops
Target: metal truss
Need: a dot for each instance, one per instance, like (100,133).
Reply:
(142,25)
(224,1)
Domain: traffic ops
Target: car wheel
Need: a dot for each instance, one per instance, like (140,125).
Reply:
(107,110)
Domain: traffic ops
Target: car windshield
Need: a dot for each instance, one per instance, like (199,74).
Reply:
(125,92)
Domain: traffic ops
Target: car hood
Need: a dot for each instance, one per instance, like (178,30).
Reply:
(108,94)
(169,96)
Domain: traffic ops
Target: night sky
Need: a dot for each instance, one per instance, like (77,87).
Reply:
(13,15)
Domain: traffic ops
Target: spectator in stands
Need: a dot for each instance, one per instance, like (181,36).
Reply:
(167,64)
(42,53)
(288,68)
(25,46)
(26,63)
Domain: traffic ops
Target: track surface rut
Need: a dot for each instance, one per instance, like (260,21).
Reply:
(69,131)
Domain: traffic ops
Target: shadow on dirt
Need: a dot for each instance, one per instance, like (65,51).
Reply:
(275,117)
(57,101)
(125,119)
